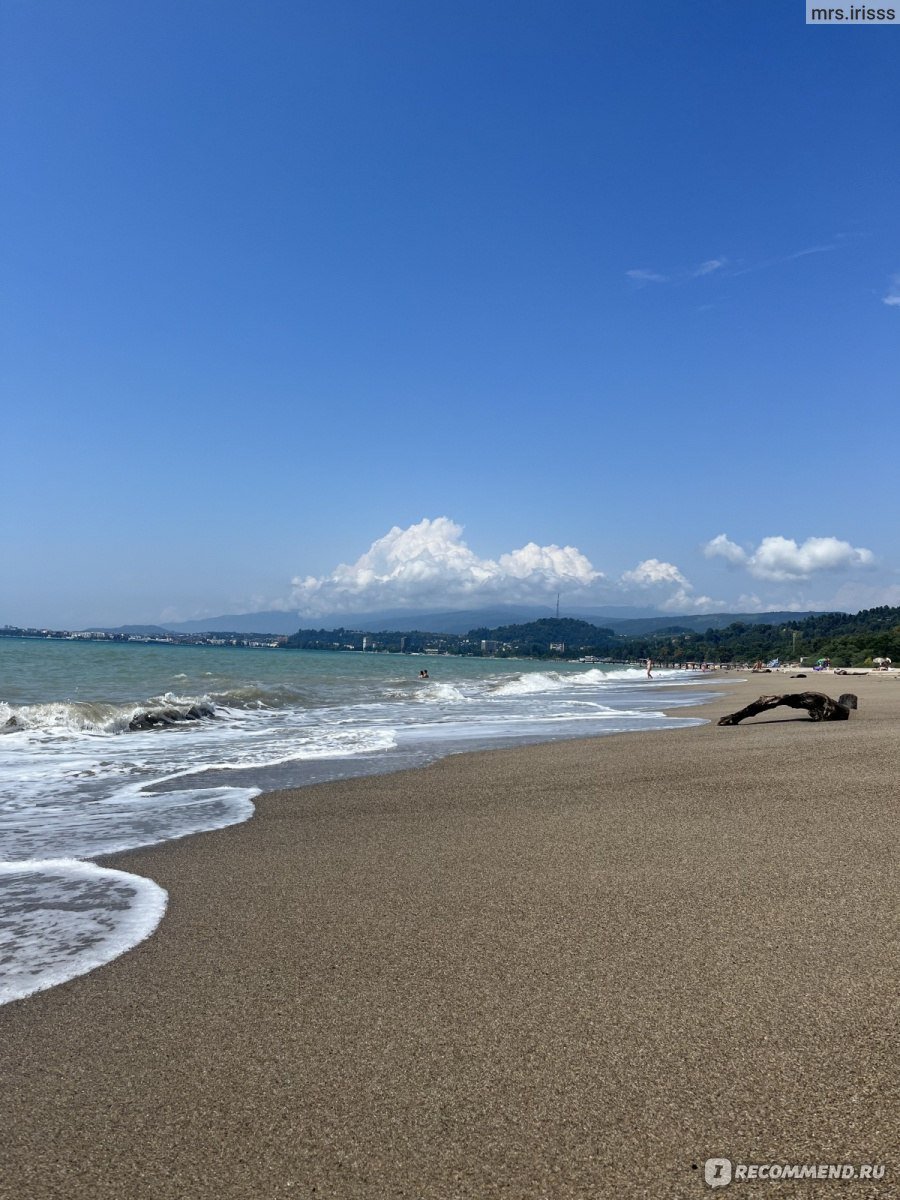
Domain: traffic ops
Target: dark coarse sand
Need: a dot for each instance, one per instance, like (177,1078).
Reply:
(576,969)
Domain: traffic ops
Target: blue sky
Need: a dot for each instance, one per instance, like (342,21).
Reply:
(502,278)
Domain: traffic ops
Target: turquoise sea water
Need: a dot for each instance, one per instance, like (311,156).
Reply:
(110,746)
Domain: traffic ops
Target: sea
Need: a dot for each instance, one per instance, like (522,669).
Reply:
(109,746)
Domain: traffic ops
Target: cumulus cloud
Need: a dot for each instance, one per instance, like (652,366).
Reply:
(780,558)
(652,573)
(783,560)
(552,564)
(722,547)
(430,564)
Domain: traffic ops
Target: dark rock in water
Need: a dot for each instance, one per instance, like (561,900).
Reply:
(197,712)
(150,720)
(169,716)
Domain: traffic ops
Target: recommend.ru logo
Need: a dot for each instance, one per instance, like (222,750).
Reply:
(717,1172)
(720,1172)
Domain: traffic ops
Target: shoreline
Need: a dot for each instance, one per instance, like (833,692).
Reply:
(566,969)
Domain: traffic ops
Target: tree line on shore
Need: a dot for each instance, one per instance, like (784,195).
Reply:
(847,639)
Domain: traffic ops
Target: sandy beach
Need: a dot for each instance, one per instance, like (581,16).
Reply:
(578,969)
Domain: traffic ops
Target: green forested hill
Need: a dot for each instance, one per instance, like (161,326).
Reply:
(847,639)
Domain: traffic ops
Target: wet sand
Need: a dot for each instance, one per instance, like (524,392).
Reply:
(569,970)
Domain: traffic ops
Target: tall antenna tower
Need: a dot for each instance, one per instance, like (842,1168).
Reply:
(557,606)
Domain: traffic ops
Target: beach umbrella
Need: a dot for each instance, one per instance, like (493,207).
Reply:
(819,661)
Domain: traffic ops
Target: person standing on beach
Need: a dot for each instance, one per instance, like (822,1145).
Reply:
(649,666)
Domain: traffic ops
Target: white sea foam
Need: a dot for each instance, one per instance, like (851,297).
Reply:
(530,684)
(82,777)
(128,819)
(60,918)
(635,675)
(535,682)
(435,692)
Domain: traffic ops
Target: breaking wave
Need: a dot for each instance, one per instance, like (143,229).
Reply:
(86,777)
(158,712)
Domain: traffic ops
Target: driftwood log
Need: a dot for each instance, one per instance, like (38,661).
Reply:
(819,706)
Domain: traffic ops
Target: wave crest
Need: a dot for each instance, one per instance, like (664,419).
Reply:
(85,716)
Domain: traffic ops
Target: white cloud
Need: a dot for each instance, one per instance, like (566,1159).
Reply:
(654,573)
(810,250)
(553,564)
(752,602)
(721,547)
(708,267)
(782,560)
(651,571)
(430,564)
(733,270)
(645,276)
(893,296)
(684,600)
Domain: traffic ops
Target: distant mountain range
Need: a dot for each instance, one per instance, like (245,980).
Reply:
(258,622)
(623,620)
(696,623)
(392,620)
